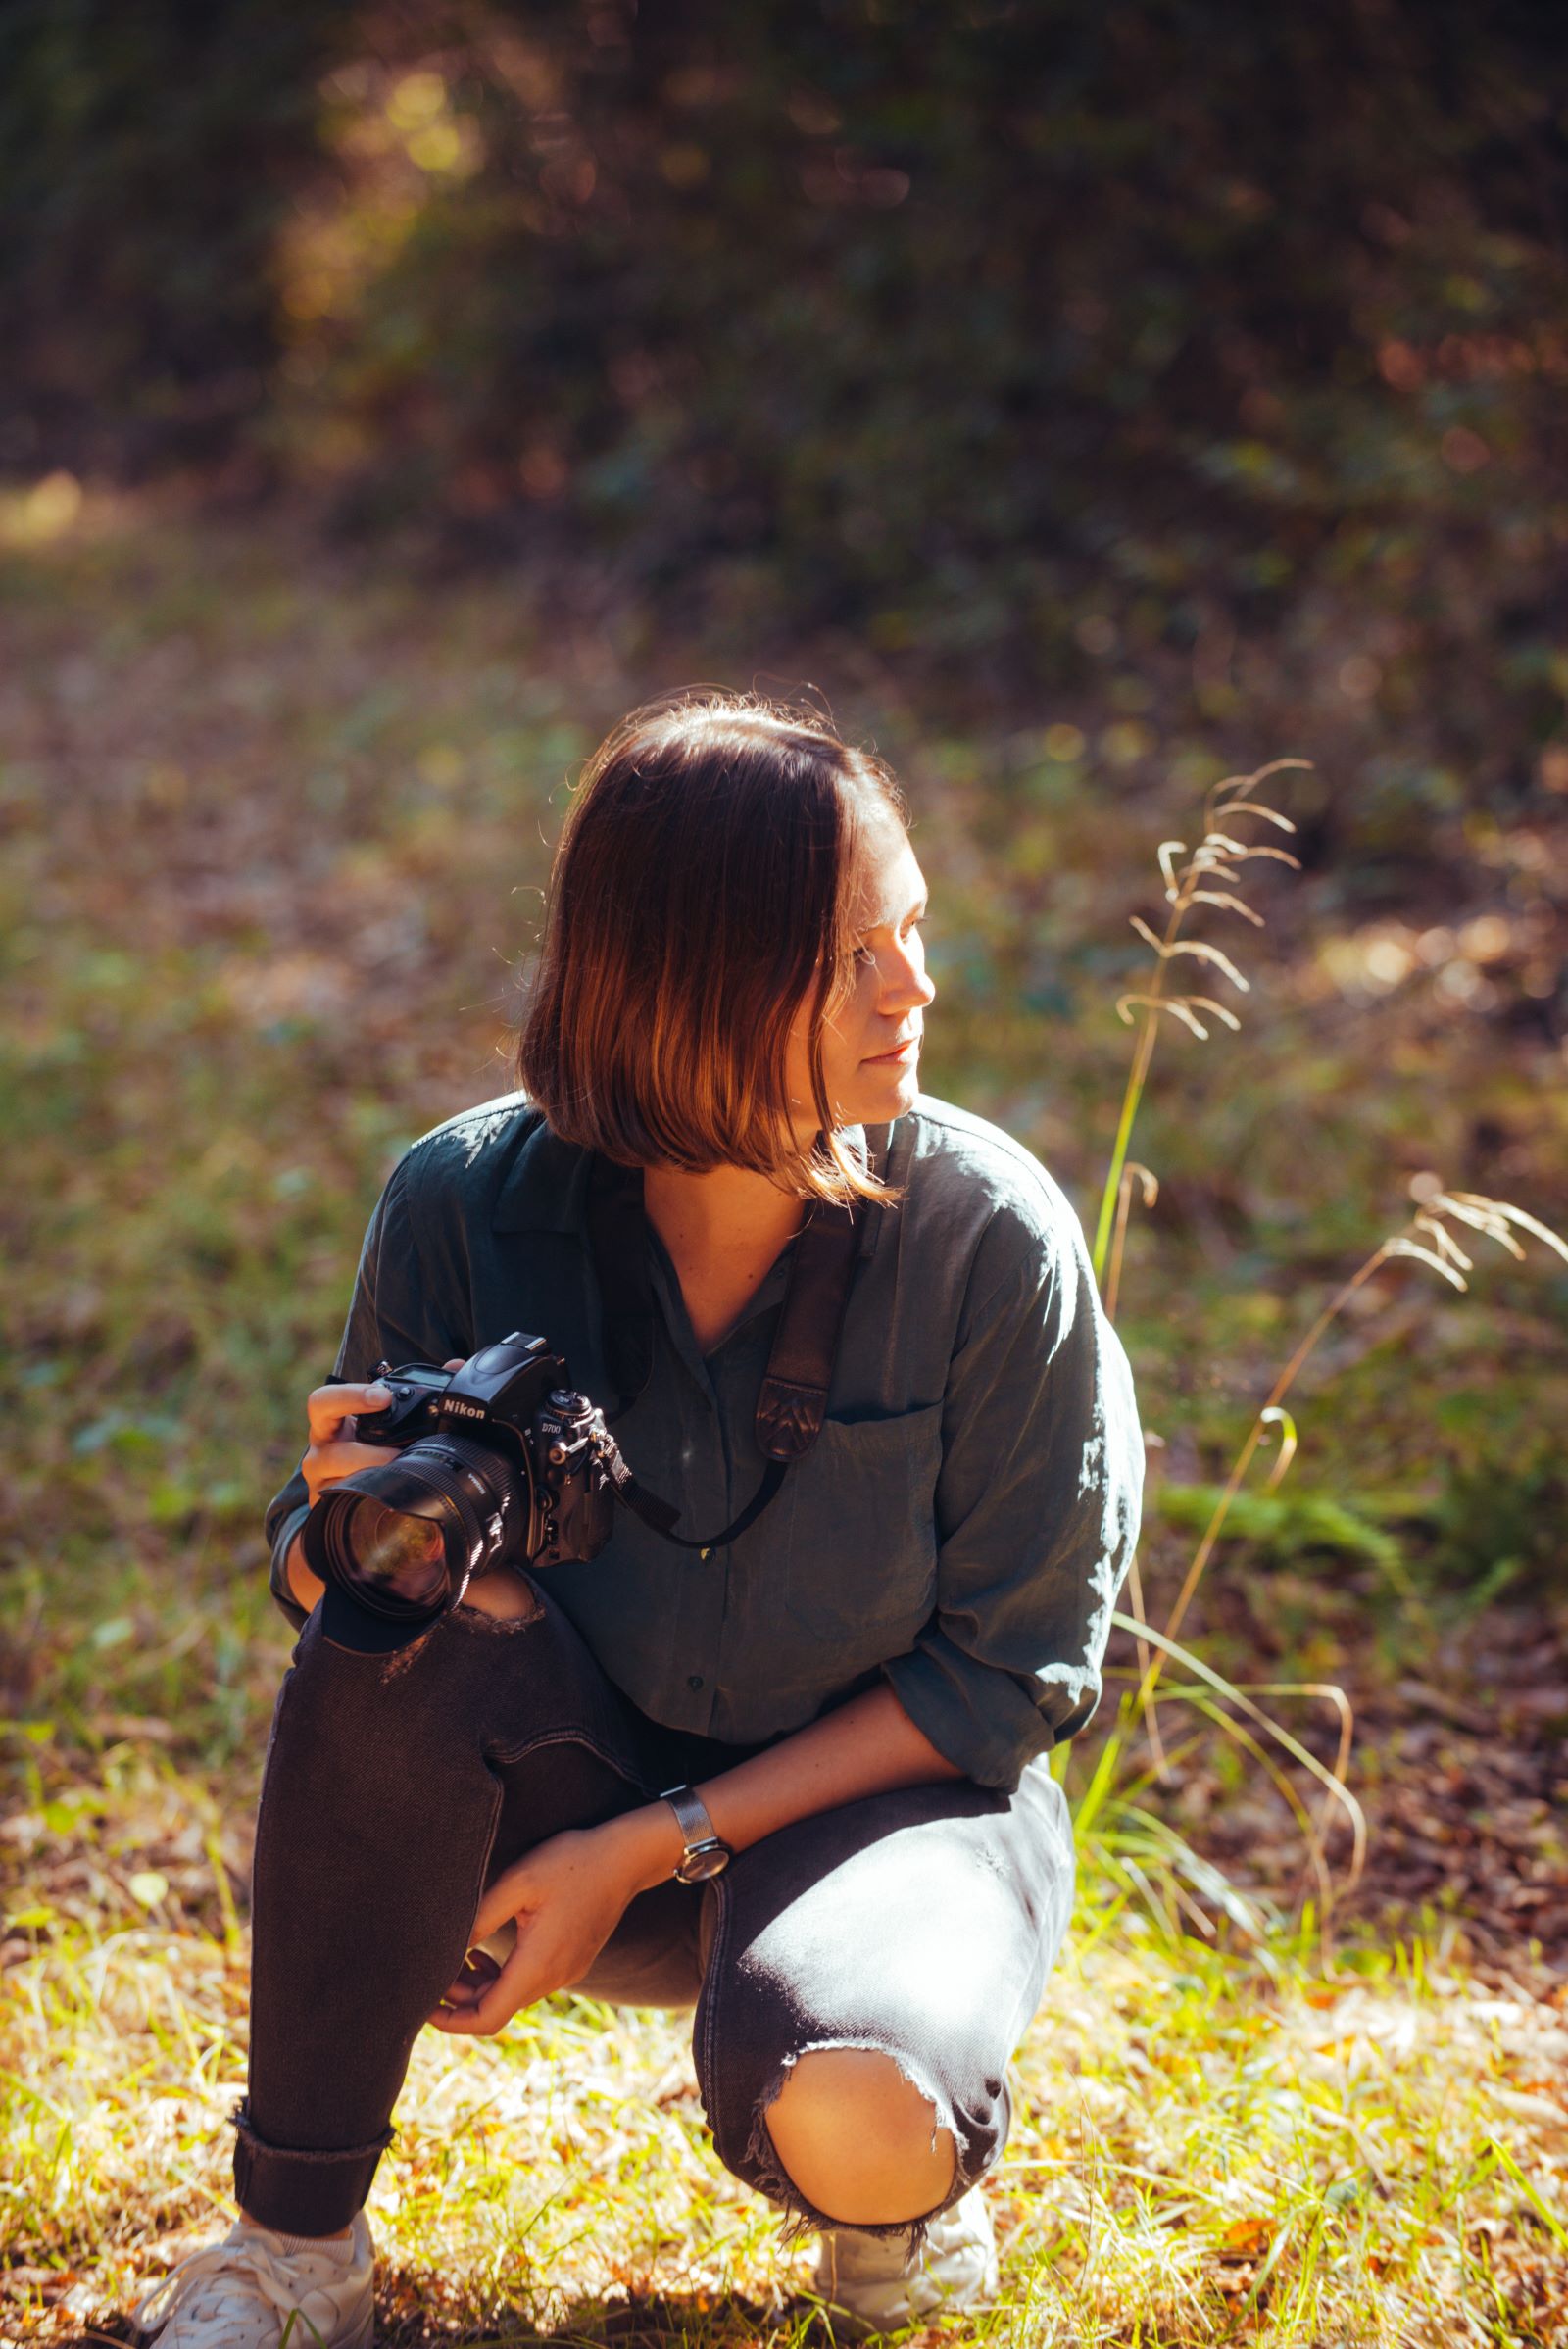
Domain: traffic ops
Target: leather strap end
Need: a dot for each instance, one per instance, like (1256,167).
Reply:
(788,1418)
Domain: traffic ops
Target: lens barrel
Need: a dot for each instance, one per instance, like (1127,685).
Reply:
(403,1539)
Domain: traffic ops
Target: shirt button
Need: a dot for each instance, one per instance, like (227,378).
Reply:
(693,1679)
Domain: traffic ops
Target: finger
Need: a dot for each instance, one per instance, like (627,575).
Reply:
(517,1984)
(456,1363)
(504,1898)
(345,1453)
(483,2022)
(478,1971)
(327,1407)
(330,1463)
(337,1461)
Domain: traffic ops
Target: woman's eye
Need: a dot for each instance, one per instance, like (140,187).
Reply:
(910,929)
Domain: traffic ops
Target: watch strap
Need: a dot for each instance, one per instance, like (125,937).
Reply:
(695,1827)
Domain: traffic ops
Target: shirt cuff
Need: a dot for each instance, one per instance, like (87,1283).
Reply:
(282,1543)
(978,1716)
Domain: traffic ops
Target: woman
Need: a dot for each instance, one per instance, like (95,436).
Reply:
(799,1776)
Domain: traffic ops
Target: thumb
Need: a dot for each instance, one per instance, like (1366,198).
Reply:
(501,1902)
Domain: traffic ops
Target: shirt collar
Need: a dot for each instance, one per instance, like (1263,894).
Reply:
(546,1187)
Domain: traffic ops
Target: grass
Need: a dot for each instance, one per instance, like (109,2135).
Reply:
(272,833)
(1206,2147)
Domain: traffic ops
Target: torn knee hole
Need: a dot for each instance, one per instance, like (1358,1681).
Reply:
(493,1627)
(859,2137)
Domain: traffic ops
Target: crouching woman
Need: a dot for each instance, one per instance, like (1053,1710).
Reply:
(785,1761)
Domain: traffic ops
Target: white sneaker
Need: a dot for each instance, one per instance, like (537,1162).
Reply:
(874,2282)
(260,2290)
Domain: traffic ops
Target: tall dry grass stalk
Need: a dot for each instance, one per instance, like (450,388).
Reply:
(1427,1239)
(1215,859)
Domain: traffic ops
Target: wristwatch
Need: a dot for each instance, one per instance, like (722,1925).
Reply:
(707,1853)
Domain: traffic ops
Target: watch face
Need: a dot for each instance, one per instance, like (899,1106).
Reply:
(703,1861)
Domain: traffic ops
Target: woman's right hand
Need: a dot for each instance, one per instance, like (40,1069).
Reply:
(333,1451)
(333,1455)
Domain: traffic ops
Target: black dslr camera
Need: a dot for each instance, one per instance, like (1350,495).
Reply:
(500,1463)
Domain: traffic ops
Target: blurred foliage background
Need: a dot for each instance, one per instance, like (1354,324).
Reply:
(1200,361)
(1086,402)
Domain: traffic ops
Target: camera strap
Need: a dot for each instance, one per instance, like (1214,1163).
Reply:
(792,1402)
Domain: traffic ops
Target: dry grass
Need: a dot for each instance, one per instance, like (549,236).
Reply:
(1205,2149)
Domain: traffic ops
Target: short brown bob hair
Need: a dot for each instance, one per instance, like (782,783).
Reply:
(705,885)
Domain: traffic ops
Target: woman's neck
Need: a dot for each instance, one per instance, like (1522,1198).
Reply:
(730,1214)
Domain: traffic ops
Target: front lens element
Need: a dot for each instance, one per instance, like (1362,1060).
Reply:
(386,1554)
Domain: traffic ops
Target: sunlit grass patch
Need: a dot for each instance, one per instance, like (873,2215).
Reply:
(563,2164)
(1312,2158)
(1207,2146)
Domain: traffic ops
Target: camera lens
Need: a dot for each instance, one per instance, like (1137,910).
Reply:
(401,1557)
(403,1539)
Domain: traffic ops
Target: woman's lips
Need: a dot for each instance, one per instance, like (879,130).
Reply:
(902,1052)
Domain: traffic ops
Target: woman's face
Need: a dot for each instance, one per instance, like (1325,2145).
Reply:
(871,1046)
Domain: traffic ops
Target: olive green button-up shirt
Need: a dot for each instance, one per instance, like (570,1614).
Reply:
(962,1525)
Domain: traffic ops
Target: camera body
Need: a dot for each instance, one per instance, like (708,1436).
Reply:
(515,1399)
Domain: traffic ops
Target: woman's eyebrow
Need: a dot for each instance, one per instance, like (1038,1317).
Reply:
(911,913)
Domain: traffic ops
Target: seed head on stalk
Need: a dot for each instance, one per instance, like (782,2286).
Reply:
(1491,1217)
(1215,859)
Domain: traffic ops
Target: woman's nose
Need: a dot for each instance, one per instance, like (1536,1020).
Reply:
(907,982)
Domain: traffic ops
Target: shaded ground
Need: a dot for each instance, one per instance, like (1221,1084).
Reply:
(1466,1799)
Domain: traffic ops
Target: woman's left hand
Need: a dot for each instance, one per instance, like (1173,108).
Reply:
(567,1896)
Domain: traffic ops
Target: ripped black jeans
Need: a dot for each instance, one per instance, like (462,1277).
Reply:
(921,1923)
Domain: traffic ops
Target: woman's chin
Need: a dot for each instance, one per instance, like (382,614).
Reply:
(886,1090)
(878,1094)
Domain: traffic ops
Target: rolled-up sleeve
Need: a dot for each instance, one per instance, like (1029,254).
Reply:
(393,1317)
(1038,1502)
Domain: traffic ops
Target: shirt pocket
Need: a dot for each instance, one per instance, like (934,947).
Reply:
(862,1563)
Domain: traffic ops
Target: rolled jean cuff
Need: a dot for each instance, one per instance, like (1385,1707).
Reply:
(298,2192)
